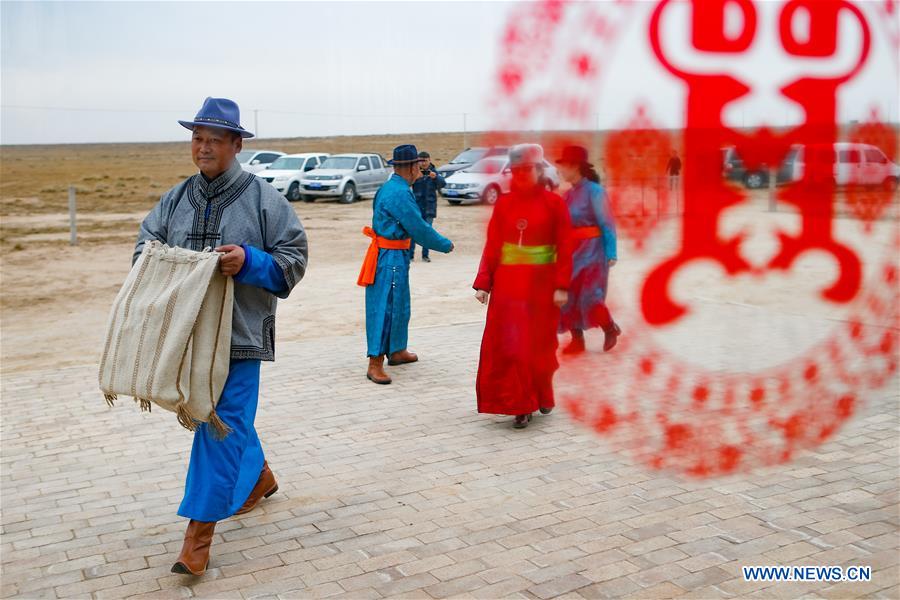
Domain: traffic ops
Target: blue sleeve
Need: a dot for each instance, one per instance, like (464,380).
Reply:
(600,204)
(260,270)
(439,182)
(407,212)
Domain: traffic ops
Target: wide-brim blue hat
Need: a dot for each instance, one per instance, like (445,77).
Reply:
(219,112)
(405,154)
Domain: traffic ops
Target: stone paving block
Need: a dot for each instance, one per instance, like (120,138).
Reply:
(455,587)
(559,586)
(88,586)
(501,589)
(425,565)
(407,584)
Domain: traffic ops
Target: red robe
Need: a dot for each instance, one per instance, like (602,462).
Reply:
(518,350)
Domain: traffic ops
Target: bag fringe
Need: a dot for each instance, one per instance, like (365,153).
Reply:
(110,399)
(146,405)
(219,427)
(185,419)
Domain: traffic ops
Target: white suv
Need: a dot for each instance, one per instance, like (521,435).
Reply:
(345,177)
(254,161)
(854,164)
(287,171)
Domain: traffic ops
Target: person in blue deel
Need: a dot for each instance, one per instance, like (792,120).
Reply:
(265,250)
(396,221)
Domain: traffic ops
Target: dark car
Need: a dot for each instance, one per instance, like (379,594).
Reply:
(734,170)
(469,157)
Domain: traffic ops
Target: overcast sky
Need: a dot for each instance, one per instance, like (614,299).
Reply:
(322,68)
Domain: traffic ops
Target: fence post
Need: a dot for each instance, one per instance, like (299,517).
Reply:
(465,130)
(658,198)
(73,232)
(773,174)
(643,208)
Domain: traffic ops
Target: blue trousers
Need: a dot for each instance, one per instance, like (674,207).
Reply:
(222,473)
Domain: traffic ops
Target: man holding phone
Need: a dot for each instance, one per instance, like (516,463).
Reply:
(425,190)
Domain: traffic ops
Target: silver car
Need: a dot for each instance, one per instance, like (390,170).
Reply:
(486,180)
(345,177)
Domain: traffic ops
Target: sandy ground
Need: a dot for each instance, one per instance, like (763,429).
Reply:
(54,298)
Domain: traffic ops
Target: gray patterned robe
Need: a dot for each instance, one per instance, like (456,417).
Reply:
(235,208)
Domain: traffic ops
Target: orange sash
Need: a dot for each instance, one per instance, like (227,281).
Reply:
(370,262)
(585,233)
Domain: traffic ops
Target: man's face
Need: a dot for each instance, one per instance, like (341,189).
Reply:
(213,149)
(423,163)
(525,176)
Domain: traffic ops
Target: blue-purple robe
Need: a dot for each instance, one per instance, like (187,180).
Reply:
(589,207)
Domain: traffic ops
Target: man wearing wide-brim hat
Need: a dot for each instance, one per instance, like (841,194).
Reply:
(265,250)
(396,220)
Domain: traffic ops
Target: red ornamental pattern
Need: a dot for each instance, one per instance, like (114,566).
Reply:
(866,201)
(635,157)
(649,401)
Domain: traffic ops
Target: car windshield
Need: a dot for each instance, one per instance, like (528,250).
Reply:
(488,165)
(288,163)
(468,156)
(244,156)
(339,162)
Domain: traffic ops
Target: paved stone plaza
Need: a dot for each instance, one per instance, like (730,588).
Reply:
(404,490)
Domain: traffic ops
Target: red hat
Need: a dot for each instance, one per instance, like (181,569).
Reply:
(574,155)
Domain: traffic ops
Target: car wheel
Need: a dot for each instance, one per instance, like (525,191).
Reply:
(454,202)
(491,194)
(754,181)
(890,184)
(349,195)
(293,193)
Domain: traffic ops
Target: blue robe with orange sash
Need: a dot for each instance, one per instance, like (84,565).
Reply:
(396,216)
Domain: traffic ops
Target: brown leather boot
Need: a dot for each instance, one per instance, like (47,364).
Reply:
(194,555)
(402,357)
(376,373)
(611,334)
(265,487)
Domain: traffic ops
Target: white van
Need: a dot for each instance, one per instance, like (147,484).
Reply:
(854,164)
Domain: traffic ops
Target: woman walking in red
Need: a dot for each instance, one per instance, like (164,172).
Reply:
(525,270)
